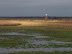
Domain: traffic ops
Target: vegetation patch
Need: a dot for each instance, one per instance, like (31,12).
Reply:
(11,43)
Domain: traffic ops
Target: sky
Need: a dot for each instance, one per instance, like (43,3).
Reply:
(35,7)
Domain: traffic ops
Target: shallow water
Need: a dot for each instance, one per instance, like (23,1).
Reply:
(59,42)
(33,41)
(49,42)
(15,33)
(35,36)
(12,33)
(39,42)
(4,50)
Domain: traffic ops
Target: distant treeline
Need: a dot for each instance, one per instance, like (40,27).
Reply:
(36,17)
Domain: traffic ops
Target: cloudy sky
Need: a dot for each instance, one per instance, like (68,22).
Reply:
(35,7)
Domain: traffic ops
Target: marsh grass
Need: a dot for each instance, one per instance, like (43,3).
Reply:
(55,33)
(11,43)
(59,30)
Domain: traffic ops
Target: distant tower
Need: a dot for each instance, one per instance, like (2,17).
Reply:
(46,17)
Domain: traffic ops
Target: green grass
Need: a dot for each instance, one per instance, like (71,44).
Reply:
(11,43)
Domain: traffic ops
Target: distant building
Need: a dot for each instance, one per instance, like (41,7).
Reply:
(46,17)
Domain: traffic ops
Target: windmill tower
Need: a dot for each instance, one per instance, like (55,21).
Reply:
(46,17)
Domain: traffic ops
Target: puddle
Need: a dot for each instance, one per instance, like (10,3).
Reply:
(4,50)
(12,33)
(41,37)
(59,42)
(15,33)
(48,42)
(39,42)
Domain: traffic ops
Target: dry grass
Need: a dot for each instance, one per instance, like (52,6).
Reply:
(8,23)
(54,23)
